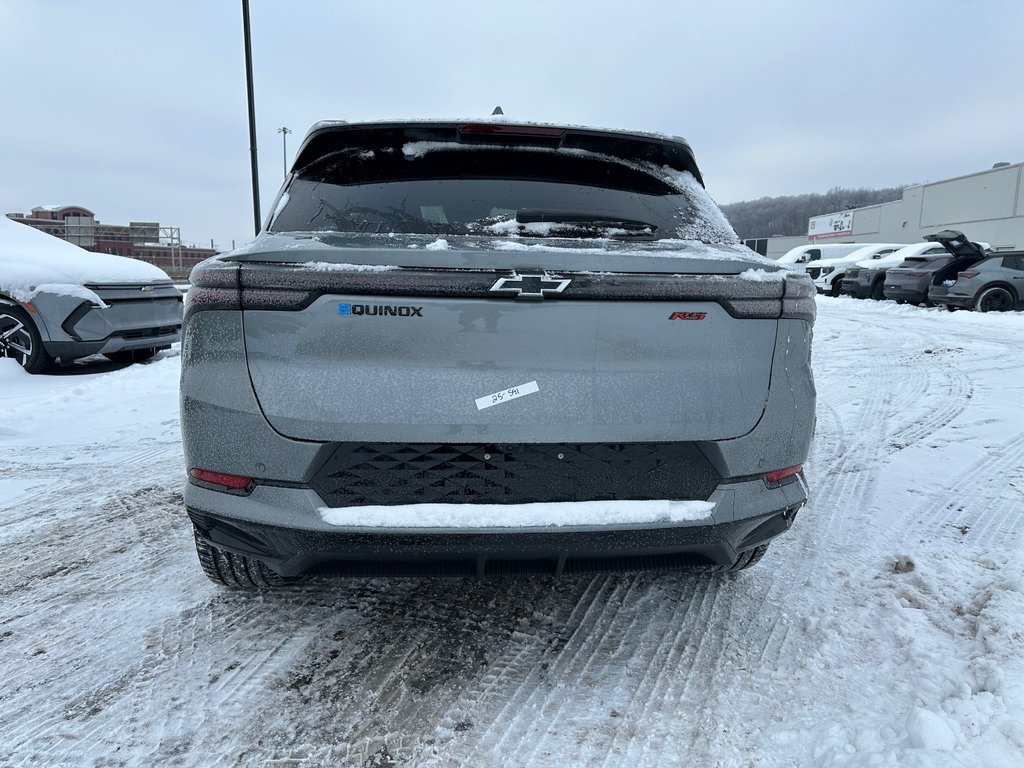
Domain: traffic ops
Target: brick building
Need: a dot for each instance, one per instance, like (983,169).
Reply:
(147,241)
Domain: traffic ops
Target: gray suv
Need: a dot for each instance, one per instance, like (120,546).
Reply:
(976,278)
(474,349)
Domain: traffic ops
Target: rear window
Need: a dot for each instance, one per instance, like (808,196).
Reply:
(926,262)
(497,191)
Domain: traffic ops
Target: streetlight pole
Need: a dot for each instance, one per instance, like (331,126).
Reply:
(284,148)
(252,118)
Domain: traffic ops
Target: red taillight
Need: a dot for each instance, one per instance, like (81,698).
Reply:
(966,275)
(220,478)
(778,475)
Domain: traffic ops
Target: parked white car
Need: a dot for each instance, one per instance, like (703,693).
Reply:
(828,274)
(815,251)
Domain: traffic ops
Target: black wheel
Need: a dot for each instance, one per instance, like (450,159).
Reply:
(20,339)
(878,290)
(749,558)
(837,286)
(130,355)
(994,299)
(746,559)
(237,571)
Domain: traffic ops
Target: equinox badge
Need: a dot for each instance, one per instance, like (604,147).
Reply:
(530,286)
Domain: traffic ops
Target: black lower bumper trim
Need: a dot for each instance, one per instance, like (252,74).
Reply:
(378,552)
(897,294)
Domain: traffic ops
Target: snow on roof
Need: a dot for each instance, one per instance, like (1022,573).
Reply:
(897,257)
(34,262)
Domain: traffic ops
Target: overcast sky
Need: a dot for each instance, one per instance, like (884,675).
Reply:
(137,111)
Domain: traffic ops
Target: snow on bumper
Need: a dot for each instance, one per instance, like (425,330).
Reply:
(543,514)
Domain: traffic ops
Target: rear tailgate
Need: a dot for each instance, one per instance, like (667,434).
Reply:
(434,355)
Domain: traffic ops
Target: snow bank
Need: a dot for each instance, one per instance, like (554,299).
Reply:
(541,515)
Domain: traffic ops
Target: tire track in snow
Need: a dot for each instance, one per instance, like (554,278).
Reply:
(959,508)
(685,681)
(158,464)
(403,662)
(579,648)
(524,664)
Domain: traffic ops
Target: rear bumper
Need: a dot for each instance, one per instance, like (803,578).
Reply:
(856,288)
(283,527)
(905,294)
(954,300)
(370,552)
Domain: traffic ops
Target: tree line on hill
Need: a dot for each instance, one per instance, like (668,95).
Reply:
(787,215)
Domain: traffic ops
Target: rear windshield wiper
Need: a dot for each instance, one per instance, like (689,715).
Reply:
(574,220)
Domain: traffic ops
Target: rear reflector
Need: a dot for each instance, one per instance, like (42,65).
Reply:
(778,475)
(220,478)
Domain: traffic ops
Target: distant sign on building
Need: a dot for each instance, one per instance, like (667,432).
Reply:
(830,225)
(143,232)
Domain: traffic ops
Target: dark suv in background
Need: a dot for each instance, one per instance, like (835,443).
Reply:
(908,283)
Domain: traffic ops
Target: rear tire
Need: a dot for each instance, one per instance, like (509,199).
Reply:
(747,558)
(837,287)
(130,355)
(20,339)
(236,571)
(994,299)
(878,291)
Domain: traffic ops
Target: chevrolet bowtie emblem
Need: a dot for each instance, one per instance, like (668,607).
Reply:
(530,286)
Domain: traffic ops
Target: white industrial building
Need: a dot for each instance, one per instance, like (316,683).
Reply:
(986,206)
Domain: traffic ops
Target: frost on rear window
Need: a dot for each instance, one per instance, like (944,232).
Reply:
(449,189)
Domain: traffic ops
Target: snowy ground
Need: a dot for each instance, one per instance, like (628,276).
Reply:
(887,628)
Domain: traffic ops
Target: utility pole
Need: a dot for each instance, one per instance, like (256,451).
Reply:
(252,118)
(284,148)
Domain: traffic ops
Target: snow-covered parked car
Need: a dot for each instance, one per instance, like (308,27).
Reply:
(491,348)
(61,302)
(866,278)
(828,274)
(815,251)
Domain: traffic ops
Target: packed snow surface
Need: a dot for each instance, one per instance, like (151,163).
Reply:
(517,515)
(33,262)
(884,629)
